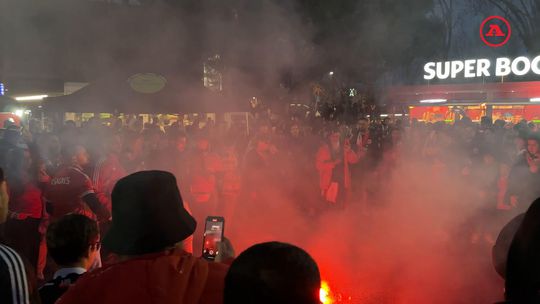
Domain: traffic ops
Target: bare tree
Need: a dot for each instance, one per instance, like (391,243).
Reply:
(524,16)
(446,12)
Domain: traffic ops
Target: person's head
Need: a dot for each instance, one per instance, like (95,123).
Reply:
(133,142)
(468,133)
(70,124)
(334,137)
(499,124)
(137,125)
(73,240)
(362,124)
(488,158)
(486,122)
(487,153)
(203,144)
(75,155)
(148,214)
(263,143)
(9,123)
(273,273)
(533,145)
(114,144)
(180,142)
(520,142)
(264,128)
(54,146)
(295,130)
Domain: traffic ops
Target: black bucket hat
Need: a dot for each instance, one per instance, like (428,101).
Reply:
(148,214)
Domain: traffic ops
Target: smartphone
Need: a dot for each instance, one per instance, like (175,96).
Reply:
(213,234)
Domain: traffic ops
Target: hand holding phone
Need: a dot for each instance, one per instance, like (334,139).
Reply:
(213,235)
(225,251)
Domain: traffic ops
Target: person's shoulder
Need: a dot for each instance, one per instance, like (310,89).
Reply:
(13,271)
(52,290)
(85,286)
(217,269)
(10,257)
(60,171)
(251,155)
(324,147)
(78,173)
(215,283)
(92,277)
(520,159)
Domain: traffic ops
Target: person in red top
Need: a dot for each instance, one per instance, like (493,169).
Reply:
(108,171)
(332,162)
(204,166)
(71,190)
(149,223)
(25,178)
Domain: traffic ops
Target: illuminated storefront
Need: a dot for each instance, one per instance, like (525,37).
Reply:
(509,101)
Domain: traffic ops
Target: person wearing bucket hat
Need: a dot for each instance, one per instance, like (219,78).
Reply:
(149,222)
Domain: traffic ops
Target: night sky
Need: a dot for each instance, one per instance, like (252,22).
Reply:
(264,43)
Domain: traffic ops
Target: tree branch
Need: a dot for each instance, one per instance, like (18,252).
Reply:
(519,21)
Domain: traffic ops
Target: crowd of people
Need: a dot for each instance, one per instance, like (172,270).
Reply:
(65,193)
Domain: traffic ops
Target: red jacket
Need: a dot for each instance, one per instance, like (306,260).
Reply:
(172,276)
(325,166)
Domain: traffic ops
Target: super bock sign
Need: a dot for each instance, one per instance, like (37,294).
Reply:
(481,68)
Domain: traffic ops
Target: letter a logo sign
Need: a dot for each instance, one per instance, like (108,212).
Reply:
(495,31)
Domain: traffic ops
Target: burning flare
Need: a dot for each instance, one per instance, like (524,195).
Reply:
(325,294)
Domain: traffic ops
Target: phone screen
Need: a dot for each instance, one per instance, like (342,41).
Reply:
(213,233)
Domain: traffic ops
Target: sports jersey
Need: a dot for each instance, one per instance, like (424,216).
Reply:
(66,190)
